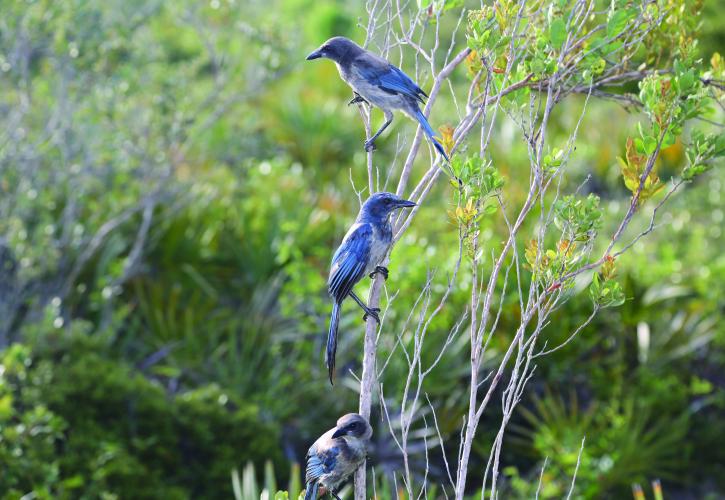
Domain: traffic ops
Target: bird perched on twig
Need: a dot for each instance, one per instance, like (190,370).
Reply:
(362,250)
(375,81)
(336,455)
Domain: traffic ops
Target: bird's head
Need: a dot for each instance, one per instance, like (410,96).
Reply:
(380,205)
(353,425)
(337,49)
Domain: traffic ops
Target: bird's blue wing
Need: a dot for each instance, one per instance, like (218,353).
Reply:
(348,263)
(396,80)
(390,78)
(320,462)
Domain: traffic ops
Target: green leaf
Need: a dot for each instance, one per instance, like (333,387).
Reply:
(639,145)
(167,371)
(678,67)
(686,81)
(594,288)
(557,33)
(613,47)
(617,23)
(452,4)
(73,482)
(270,483)
(692,171)
(668,140)
(538,65)
(650,144)
(700,386)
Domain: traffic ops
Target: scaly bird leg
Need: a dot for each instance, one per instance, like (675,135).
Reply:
(370,143)
(357,98)
(381,270)
(369,311)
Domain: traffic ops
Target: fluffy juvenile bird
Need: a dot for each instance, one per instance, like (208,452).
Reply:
(336,455)
(364,247)
(376,81)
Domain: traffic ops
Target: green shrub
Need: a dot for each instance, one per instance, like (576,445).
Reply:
(76,423)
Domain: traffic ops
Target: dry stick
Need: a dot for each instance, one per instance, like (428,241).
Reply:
(100,237)
(365,116)
(633,205)
(368,371)
(474,416)
(442,76)
(571,337)
(416,364)
(475,412)
(369,344)
(370,340)
(651,226)
(369,361)
(541,477)
(368,374)
(511,396)
(518,339)
(425,185)
(576,469)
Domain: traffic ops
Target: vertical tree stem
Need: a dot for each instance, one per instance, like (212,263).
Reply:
(370,343)
(368,375)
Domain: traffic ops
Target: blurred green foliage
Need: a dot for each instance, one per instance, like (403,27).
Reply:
(173,180)
(247,486)
(78,423)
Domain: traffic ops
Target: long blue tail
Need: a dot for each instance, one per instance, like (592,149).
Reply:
(332,340)
(430,133)
(311,491)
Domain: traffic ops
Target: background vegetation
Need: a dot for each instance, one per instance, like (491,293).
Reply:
(173,180)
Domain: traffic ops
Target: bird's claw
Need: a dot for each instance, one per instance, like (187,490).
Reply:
(373,313)
(382,270)
(357,98)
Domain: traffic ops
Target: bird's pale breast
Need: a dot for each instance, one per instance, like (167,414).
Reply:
(378,248)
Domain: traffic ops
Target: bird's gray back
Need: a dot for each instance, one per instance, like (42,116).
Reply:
(351,73)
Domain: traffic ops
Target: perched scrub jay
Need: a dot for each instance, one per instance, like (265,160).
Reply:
(365,245)
(374,80)
(336,455)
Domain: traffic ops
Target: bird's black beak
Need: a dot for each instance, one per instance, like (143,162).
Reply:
(406,204)
(315,55)
(338,433)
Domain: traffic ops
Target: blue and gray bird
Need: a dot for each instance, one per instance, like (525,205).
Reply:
(336,455)
(362,250)
(375,81)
